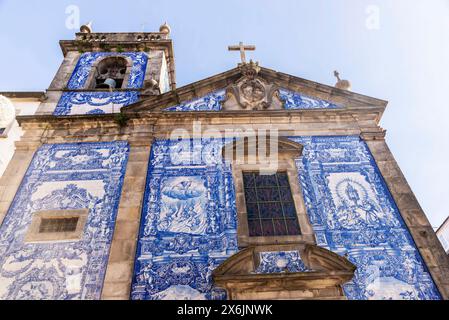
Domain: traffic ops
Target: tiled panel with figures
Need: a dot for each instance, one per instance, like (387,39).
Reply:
(85,102)
(281,261)
(210,102)
(292,100)
(62,177)
(189,222)
(353,214)
(297,101)
(87,59)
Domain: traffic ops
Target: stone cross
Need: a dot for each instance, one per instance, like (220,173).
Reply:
(242,49)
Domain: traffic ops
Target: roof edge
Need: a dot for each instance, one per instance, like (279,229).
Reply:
(221,80)
(23,94)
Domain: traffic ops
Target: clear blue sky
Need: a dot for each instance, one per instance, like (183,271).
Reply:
(404,58)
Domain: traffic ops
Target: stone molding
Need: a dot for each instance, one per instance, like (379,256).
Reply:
(328,272)
(295,122)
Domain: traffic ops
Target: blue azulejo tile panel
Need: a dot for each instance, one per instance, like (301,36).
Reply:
(188,224)
(85,62)
(210,102)
(292,101)
(353,214)
(280,262)
(63,176)
(297,101)
(73,103)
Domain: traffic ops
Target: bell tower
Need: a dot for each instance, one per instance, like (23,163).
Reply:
(102,72)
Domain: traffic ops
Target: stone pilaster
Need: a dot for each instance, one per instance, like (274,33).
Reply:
(425,238)
(117,282)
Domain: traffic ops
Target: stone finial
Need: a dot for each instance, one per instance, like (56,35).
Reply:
(165,28)
(341,84)
(86,28)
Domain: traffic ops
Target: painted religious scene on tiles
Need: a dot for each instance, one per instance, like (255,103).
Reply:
(188,224)
(353,214)
(98,102)
(61,178)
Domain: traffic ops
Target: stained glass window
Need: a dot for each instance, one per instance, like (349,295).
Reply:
(269,203)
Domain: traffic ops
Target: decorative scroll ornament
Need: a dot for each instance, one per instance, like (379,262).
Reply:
(251,92)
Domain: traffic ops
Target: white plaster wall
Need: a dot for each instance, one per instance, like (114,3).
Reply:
(15,132)
(443,235)
(164,79)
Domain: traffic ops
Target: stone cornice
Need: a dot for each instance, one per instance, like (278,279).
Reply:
(318,115)
(315,122)
(23,94)
(99,41)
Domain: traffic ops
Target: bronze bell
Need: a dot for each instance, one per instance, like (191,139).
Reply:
(107,84)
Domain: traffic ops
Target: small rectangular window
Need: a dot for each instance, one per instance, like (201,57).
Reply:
(270,207)
(2,130)
(58,225)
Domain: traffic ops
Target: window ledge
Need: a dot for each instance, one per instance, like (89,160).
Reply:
(246,241)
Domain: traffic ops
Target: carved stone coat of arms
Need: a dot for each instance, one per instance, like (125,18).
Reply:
(252,92)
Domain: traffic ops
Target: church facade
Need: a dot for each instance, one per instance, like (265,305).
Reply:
(251,184)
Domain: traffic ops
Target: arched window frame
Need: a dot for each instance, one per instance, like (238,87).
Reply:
(91,80)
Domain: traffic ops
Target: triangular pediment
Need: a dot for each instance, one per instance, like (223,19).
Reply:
(268,90)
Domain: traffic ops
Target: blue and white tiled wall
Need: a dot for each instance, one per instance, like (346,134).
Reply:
(189,222)
(353,214)
(292,101)
(63,176)
(281,261)
(91,102)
